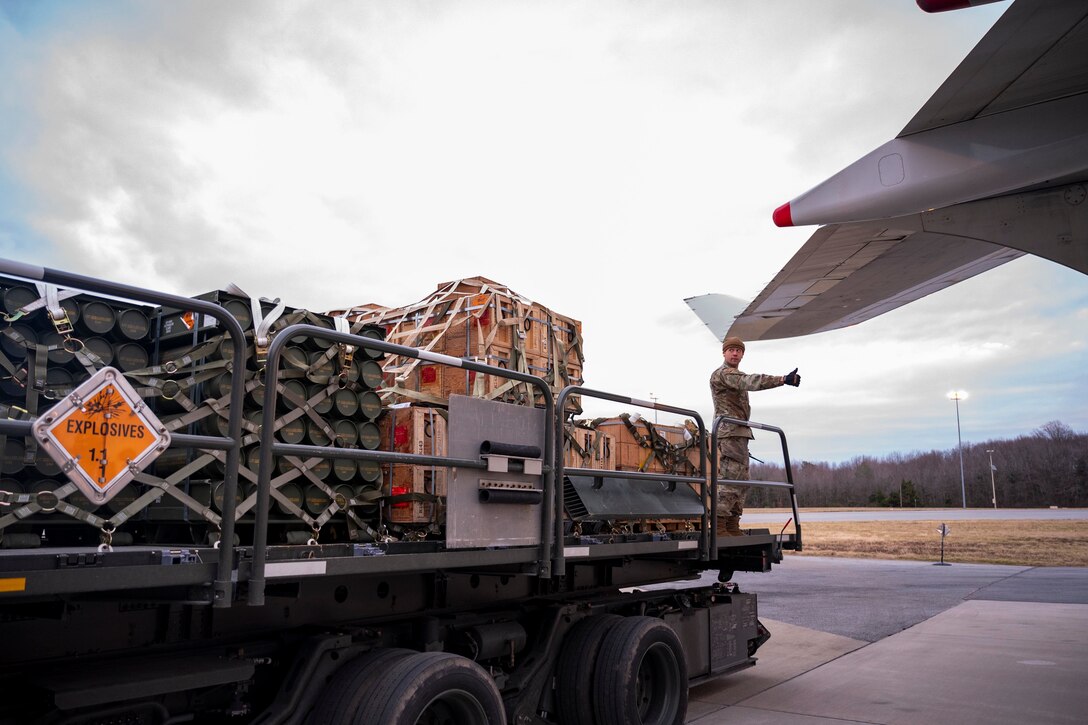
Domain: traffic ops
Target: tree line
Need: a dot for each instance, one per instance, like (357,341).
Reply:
(1048,467)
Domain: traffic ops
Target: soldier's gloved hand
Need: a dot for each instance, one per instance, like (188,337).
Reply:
(792,378)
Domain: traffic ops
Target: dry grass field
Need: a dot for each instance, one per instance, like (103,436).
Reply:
(1023,543)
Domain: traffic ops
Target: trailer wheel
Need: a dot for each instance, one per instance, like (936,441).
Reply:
(642,676)
(575,667)
(349,687)
(433,688)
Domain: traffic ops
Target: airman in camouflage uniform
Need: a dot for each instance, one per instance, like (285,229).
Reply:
(729,388)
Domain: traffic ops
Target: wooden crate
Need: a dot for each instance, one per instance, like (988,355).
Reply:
(591,449)
(482,320)
(656,448)
(421,431)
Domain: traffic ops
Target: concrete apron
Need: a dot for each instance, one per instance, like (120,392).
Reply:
(979,662)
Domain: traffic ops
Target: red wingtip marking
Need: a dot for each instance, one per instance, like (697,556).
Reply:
(782,216)
(940,6)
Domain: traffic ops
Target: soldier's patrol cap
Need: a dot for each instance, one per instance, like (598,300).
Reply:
(732,342)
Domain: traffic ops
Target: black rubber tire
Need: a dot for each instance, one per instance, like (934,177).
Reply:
(575,669)
(433,688)
(348,688)
(642,677)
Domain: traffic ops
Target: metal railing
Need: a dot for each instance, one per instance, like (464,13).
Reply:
(269,447)
(788,485)
(706,544)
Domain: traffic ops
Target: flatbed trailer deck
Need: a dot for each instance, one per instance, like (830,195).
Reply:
(501,613)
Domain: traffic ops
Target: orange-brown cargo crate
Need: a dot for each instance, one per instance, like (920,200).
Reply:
(421,431)
(404,479)
(479,319)
(662,449)
(588,448)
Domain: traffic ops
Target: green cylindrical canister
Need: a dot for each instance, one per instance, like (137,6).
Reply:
(12,462)
(293,395)
(17,297)
(58,383)
(218,492)
(323,404)
(293,493)
(322,469)
(132,324)
(255,396)
(361,493)
(374,332)
(213,425)
(371,374)
(256,417)
(370,436)
(219,386)
(294,358)
(101,347)
(240,310)
(370,405)
(60,351)
(292,431)
(129,356)
(316,499)
(15,348)
(346,402)
(318,343)
(370,471)
(317,434)
(344,469)
(97,317)
(172,460)
(253,459)
(45,464)
(347,433)
(321,368)
(346,493)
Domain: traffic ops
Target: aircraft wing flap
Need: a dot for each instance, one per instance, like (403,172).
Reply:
(887,269)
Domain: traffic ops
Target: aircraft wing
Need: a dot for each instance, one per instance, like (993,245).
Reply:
(994,165)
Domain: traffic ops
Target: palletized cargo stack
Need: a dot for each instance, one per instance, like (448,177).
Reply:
(485,321)
(473,318)
(180,363)
(640,445)
(53,340)
(326,397)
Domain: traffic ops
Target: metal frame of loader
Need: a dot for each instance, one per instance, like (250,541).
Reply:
(391,593)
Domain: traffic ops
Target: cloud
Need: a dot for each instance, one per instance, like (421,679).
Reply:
(607,160)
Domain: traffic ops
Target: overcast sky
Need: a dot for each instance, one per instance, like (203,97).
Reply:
(605,159)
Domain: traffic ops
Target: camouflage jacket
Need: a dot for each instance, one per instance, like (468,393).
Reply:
(729,388)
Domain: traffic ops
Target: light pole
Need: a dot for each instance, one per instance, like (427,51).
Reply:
(993,490)
(958,395)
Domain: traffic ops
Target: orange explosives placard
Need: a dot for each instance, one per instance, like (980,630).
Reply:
(102,435)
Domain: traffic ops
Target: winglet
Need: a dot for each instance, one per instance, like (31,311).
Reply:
(782,216)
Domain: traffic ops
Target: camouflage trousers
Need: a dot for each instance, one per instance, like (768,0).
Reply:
(732,464)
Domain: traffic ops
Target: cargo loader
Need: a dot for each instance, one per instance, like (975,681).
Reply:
(132,591)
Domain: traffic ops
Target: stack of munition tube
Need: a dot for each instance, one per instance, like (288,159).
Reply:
(325,397)
(49,344)
(180,363)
